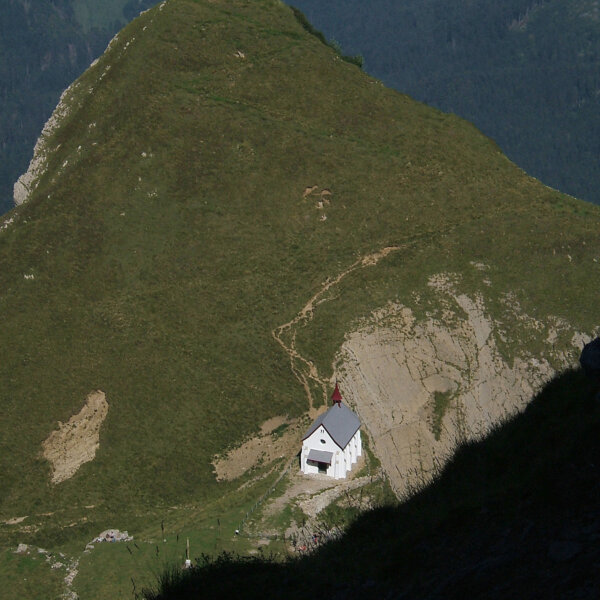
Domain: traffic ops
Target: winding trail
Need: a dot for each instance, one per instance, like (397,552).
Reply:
(304,369)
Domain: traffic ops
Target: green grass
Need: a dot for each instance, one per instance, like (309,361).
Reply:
(440,404)
(28,576)
(142,562)
(371,462)
(160,540)
(280,430)
(350,506)
(159,278)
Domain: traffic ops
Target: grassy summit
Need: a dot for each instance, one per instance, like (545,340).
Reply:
(169,236)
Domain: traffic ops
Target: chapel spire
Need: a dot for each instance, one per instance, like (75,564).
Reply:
(336,397)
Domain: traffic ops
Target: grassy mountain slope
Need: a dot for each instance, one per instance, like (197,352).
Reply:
(44,47)
(169,236)
(526,73)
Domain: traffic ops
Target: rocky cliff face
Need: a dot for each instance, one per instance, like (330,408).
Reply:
(28,182)
(424,385)
(45,45)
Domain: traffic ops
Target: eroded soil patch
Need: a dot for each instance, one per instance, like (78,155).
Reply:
(75,442)
(278,438)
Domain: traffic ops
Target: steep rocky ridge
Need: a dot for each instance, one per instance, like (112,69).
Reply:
(29,180)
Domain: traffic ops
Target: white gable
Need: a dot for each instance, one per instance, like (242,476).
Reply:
(321,454)
(321,440)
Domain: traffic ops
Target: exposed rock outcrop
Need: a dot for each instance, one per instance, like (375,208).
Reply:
(44,147)
(28,182)
(422,386)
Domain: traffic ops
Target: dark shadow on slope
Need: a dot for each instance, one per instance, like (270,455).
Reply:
(357,59)
(515,515)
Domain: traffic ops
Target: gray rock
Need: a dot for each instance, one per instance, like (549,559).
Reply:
(113,535)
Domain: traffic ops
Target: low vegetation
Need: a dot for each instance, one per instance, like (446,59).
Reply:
(441,402)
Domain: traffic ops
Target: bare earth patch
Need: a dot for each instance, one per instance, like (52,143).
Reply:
(15,520)
(75,442)
(268,446)
(271,424)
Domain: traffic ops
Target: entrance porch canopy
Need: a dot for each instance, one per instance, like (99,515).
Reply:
(320,456)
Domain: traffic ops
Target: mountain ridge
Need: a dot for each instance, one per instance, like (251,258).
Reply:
(524,72)
(91,222)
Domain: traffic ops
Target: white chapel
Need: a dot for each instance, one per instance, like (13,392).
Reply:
(332,443)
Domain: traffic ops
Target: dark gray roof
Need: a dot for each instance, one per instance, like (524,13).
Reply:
(320,456)
(339,421)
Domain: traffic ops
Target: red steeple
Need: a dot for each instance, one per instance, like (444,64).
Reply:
(336,397)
